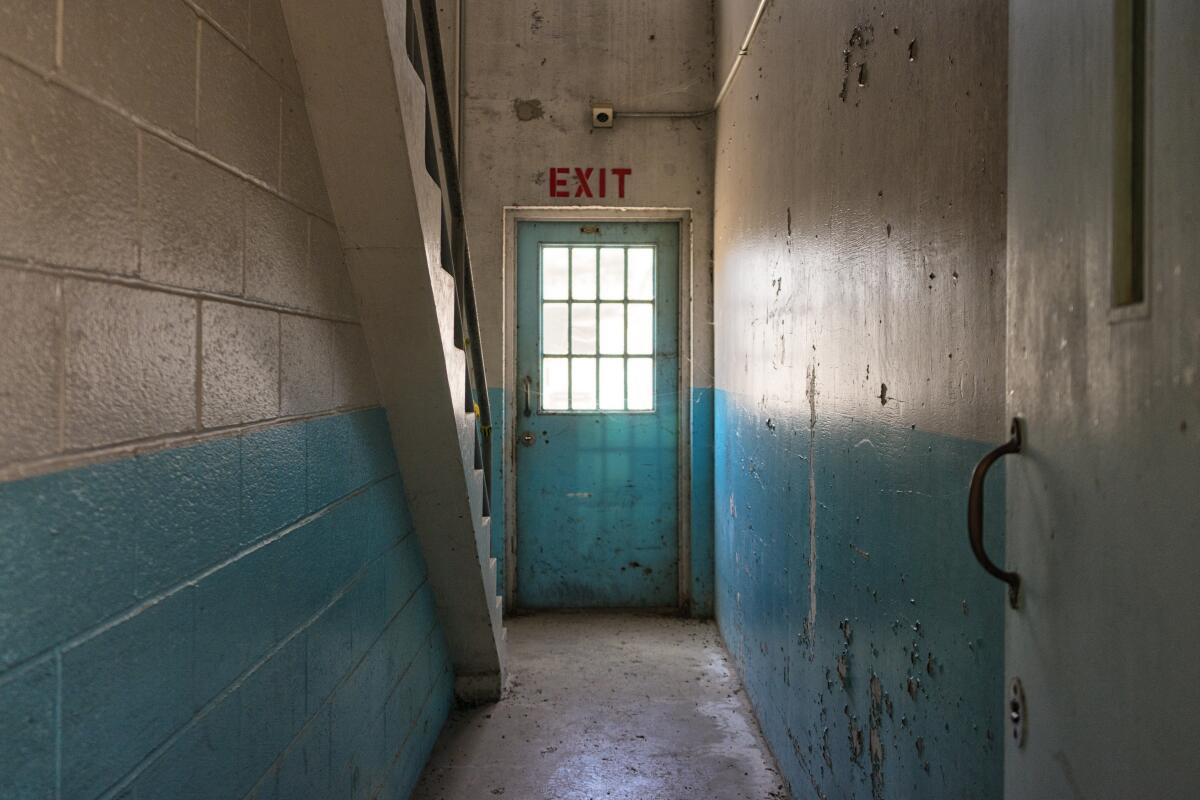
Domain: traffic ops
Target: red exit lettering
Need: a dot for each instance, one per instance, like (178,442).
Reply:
(587,181)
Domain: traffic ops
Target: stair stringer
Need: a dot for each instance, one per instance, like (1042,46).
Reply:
(363,105)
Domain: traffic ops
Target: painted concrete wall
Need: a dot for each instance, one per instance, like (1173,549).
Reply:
(859,284)
(196,483)
(1102,503)
(246,616)
(531,70)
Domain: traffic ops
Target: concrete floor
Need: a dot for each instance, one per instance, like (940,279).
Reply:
(620,706)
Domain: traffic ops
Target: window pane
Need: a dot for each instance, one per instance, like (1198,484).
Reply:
(583,384)
(583,273)
(641,273)
(612,273)
(612,384)
(641,384)
(554,329)
(583,328)
(554,384)
(554,273)
(612,328)
(641,329)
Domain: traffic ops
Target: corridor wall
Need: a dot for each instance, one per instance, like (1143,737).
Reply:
(209,582)
(859,306)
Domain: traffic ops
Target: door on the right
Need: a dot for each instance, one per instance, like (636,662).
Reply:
(1104,368)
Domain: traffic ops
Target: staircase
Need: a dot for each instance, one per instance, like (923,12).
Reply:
(375,88)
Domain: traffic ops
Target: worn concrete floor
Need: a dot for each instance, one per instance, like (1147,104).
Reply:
(607,706)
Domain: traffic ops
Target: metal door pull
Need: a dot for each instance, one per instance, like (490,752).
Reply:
(528,396)
(975,513)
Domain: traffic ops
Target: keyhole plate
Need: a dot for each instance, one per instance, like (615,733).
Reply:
(1017,712)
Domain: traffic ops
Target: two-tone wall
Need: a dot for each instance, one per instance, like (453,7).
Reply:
(530,72)
(209,582)
(859,303)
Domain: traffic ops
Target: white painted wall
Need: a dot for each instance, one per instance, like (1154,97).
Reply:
(547,60)
(168,262)
(881,214)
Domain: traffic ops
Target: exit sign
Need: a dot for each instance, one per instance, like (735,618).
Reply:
(588,181)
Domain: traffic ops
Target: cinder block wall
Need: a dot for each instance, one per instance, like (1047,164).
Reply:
(208,582)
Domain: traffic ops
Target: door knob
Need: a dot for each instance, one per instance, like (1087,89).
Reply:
(528,439)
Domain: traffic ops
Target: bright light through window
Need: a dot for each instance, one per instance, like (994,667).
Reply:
(576,328)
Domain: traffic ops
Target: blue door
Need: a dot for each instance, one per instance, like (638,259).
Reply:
(597,427)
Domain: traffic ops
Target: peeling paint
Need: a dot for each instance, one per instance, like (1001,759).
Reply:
(860,39)
(855,736)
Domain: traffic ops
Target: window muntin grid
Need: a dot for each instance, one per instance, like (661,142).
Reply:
(597,332)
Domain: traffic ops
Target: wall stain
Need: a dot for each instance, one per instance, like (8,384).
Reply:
(527,110)
(875,738)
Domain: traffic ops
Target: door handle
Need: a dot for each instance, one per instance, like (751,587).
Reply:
(975,513)
(528,396)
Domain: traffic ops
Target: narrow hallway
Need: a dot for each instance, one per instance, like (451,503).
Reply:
(607,705)
(562,400)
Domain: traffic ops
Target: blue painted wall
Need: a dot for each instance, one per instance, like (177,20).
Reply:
(893,687)
(702,502)
(245,617)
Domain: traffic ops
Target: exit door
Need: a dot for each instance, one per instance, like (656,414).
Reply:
(597,425)
(1104,372)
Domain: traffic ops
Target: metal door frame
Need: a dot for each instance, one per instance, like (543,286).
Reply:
(513,215)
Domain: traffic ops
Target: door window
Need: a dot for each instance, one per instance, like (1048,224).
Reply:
(597,328)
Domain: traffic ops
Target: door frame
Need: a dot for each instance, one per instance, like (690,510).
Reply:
(513,216)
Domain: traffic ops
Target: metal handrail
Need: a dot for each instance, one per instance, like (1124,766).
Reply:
(429,46)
